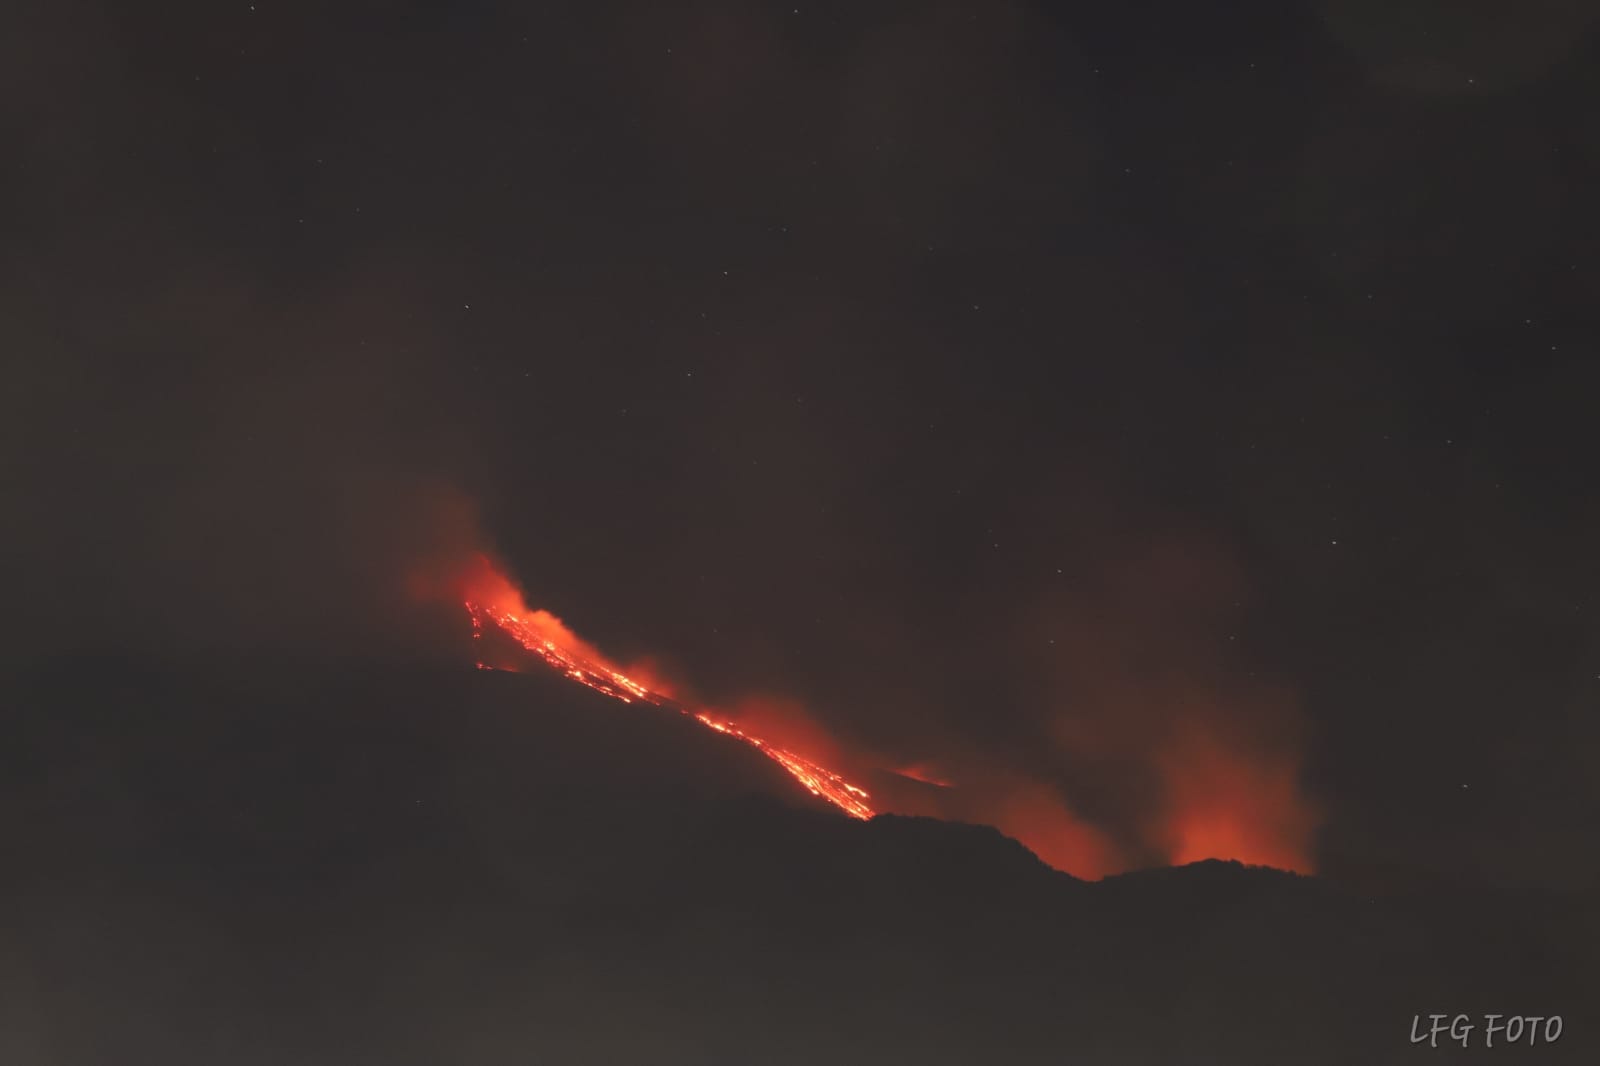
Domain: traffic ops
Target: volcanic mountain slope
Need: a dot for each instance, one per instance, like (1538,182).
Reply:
(302,864)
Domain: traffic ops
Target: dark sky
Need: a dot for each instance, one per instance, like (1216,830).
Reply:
(1018,387)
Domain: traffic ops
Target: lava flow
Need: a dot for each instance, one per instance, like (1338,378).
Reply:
(1221,799)
(542,634)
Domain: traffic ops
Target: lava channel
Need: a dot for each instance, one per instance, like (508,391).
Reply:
(815,779)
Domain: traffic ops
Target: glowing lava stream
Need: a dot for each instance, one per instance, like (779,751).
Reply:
(817,780)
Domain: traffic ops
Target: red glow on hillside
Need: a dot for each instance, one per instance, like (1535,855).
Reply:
(1040,820)
(491,599)
(1220,802)
(1227,806)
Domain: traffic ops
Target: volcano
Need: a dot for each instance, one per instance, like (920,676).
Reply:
(1221,802)
(264,861)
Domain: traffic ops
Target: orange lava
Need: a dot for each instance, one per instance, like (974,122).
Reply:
(544,635)
(1222,800)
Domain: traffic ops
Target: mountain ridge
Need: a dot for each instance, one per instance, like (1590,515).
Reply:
(329,863)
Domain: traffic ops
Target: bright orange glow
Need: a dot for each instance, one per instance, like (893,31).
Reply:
(544,635)
(1221,801)
(1227,806)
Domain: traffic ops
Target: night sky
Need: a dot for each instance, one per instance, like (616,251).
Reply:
(1017,388)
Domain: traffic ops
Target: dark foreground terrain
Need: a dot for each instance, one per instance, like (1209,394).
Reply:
(302,865)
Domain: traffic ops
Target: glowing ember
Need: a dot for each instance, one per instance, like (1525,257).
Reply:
(539,637)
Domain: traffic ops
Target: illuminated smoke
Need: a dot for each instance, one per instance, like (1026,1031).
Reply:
(1224,804)
(925,774)
(1035,815)
(1222,798)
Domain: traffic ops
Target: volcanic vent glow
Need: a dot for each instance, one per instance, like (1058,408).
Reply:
(545,636)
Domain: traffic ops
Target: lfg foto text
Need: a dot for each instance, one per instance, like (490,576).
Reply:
(1495,1030)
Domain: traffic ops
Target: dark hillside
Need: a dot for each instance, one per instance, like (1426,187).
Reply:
(319,865)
